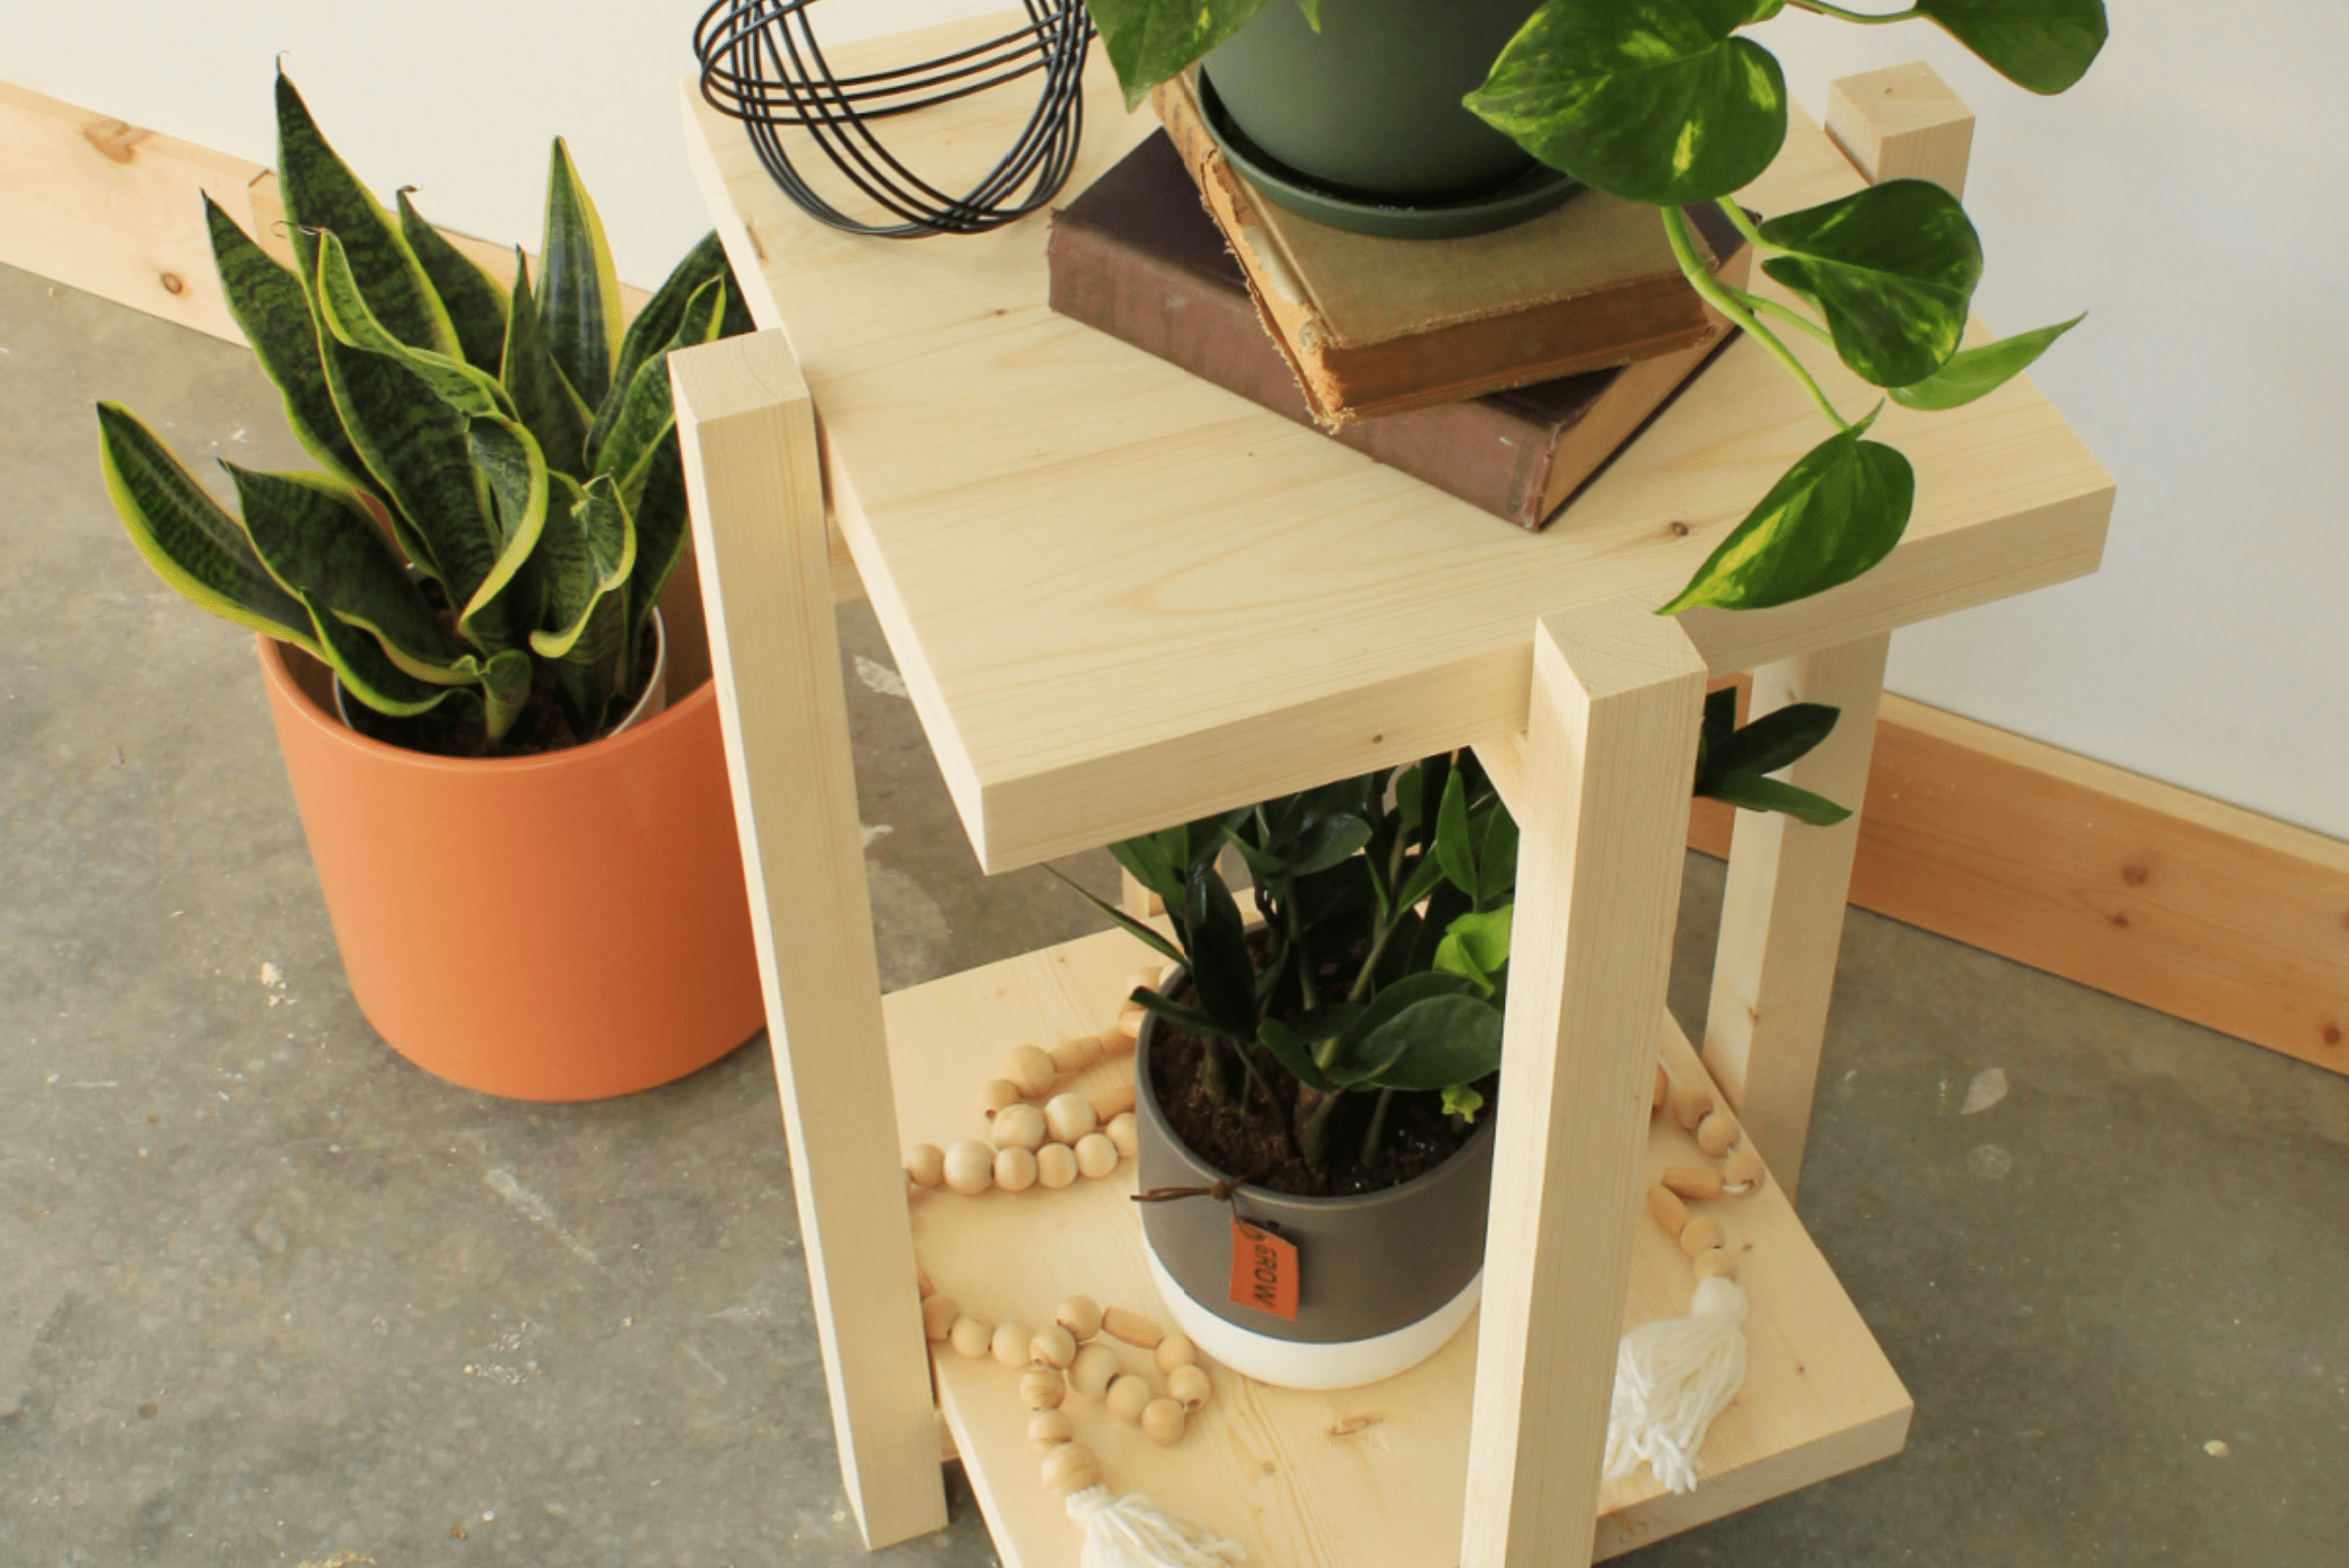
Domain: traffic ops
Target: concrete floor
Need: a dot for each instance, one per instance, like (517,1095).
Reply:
(271,1294)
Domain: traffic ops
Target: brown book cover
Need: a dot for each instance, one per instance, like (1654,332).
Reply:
(1137,256)
(1376,326)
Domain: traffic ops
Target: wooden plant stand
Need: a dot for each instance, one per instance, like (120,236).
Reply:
(1122,598)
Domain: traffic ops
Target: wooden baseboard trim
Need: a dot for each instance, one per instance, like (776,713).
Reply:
(2139,889)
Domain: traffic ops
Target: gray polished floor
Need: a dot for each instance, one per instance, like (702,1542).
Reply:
(269,1294)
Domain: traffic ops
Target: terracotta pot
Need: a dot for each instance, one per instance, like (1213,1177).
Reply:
(568,927)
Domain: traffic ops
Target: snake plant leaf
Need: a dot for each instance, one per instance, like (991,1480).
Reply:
(508,600)
(1778,738)
(1652,101)
(1976,372)
(1892,268)
(543,399)
(323,195)
(1749,792)
(314,537)
(414,445)
(662,526)
(1439,1043)
(193,545)
(367,672)
(1838,511)
(269,304)
(505,688)
(2042,45)
(1149,40)
(579,292)
(656,324)
(586,551)
(342,310)
(647,413)
(475,302)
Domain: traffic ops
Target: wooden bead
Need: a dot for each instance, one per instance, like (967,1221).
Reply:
(1111,1104)
(1662,1092)
(1702,1232)
(1669,1211)
(1080,1315)
(1090,1375)
(1076,1055)
(996,1094)
(1175,1351)
(1162,1422)
(1015,1169)
(969,1337)
(1071,1467)
(1070,1118)
(1031,1069)
(1042,1388)
(1141,980)
(1010,1344)
(1049,1429)
(1692,1182)
(1116,1042)
(1691,1105)
(1056,1165)
(926,1164)
(1095,1155)
(1126,1133)
(1018,1126)
(1717,1133)
(1128,1021)
(1132,1327)
(1189,1386)
(1743,1172)
(1715,1261)
(1129,1395)
(939,1314)
(970,1167)
(1053,1346)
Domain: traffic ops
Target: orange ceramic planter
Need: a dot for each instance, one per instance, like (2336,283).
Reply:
(560,927)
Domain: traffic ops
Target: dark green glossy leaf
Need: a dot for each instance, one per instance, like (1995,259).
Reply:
(192,542)
(1148,41)
(1496,855)
(1293,1054)
(344,313)
(579,293)
(1443,1042)
(475,303)
(1783,736)
(1750,793)
(269,304)
(1124,921)
(1182,1017)
(1975,373)
(1840,510)
(1454,848)
(1147,859)
(656,324)
(1354,1055)
(322,194)
(1892,268)
(1419,881)
(2044,45)
(1651,100)
(1220,968)
(543,399)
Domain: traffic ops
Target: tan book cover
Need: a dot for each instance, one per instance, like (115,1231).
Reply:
(1377,325)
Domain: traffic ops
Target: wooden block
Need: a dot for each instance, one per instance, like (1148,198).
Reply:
(748,438)
(1902,122)
(1617,695)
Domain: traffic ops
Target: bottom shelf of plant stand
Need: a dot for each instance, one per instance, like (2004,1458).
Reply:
(1362,1478)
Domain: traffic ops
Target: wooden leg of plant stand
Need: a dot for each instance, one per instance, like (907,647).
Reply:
(1618,694)
(1782,919)
(1137,900)
(752,472)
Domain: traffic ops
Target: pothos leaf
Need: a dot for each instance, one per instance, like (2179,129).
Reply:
(2042,45)
(1893,269)
(1650,100)
(1750,793)
(1778,737)
(1148,41)
(1976,372)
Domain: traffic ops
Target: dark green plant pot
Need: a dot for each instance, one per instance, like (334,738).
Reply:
(1369,107)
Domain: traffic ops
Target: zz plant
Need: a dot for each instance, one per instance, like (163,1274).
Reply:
(1664,102)
(501,500)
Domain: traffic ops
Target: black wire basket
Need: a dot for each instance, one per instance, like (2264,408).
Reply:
(761,64)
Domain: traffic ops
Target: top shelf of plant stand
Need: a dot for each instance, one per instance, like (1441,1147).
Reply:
(1122,597)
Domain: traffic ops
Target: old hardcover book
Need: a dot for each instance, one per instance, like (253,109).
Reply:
(1376,326)
(1136,256)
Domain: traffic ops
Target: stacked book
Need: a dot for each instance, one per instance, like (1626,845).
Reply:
(1504,369)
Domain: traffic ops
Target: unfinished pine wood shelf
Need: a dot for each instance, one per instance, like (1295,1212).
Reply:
(1122,598)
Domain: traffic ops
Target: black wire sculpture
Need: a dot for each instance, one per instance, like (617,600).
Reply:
(762,65)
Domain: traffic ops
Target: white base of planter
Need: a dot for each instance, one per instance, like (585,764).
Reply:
(1292,1363)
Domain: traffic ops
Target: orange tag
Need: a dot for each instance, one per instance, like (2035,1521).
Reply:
(1263,1270)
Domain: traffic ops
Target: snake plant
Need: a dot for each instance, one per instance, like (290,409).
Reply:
(501,499)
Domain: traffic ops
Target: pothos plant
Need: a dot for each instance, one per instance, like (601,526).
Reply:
(502,499)
(1663,102)
(1386,903)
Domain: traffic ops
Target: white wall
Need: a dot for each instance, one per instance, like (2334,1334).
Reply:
(2189,195)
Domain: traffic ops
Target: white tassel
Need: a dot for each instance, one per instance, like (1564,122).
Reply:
(1132,1531)
(1671,1377)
